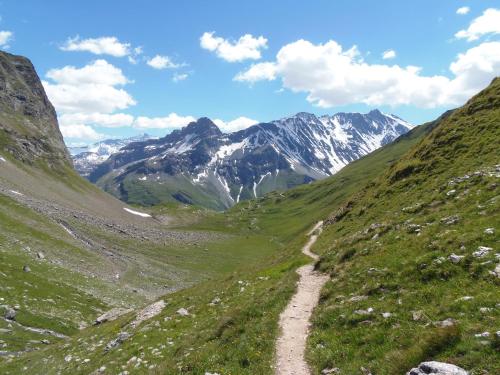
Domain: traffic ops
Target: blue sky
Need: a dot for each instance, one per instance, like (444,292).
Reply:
(301,52)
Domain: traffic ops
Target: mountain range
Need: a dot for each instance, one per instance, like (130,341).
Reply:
(201,165)
(87,158)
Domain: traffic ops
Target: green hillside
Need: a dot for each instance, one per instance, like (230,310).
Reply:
(390,249)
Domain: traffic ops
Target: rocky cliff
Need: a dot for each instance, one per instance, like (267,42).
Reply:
(29,130)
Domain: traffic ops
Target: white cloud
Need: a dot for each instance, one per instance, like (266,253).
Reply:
(81,132)
(98,72)
(162,62)
(173,120)
(115,120)
(235,125)
(258,72)
(332,76)
(89,89)
(389,54)
(463,10)
(106,45)
(246,47)
(5,38)
(133,57)
(487,23)
(180,77)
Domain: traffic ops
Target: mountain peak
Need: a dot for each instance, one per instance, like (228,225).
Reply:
(202,127)
(306,116)
(375,112)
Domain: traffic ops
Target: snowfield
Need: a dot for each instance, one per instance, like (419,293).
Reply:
(141,214)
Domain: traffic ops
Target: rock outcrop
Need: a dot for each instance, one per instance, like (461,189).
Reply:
(29,130)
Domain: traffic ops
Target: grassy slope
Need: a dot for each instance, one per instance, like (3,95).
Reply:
(375,252)
(238,335)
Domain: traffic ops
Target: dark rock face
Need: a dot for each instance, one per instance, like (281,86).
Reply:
(227,168)
(28,124)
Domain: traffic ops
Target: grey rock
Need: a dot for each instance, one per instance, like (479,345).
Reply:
(446,323)
(122,336)
(437,368)
(454,258)
(26,268)
(417,315)
(450,220)
(496,271)
(111,315)
(482,251)
(183,312)
(10,314)
(328,371)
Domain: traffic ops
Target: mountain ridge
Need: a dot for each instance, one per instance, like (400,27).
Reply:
(199,164)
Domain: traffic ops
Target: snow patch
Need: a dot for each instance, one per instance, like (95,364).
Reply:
(141,214)
(239,194)
(16,192)
(2,159)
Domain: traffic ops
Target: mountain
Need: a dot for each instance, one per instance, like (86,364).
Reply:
(28,122)
(201,165)
(87,158)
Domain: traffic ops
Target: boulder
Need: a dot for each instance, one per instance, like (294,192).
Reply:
(111,315)
(122,336)
(454,258)
(10,314)
(183,312)
(437,368)
(450,220)
(482,251)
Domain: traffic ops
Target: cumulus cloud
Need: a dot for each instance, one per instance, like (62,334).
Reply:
(486,24)
(265,71)
(463,10)
(5,38)
(236,124)
(180,77)
(173,120)
(106,45)
(162,62)
(246,47)
(80,131)
(389,54)
(333,76)
(106,120)
(90,89)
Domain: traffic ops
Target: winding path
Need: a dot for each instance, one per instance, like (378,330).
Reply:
(294,320)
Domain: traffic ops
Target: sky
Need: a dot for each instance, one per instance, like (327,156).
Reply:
(115,69)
